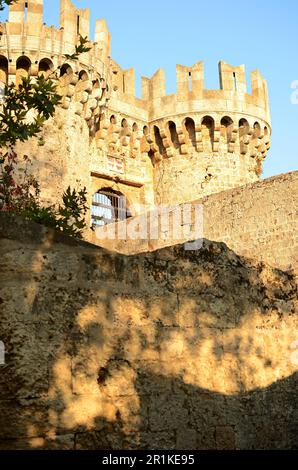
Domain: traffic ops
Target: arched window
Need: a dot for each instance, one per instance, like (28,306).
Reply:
(23,69)
(191,131)
(243,128)
(145,147)
(98,91)
(65,70)
(83,75)
(243,124)
(226,127)
(208,133)
(257,130)
(124,124)
(133,140)
(45,67)
(173,134)
(124,128)
(108,206)
(158,140)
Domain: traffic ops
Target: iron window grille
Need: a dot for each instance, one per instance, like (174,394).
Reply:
(108,207)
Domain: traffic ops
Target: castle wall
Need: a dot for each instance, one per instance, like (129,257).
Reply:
(173,148)
(60,156)
(194,175)
(63,156)
(164,350)
(25,32)
(209,140)
(257,220)
(79,146)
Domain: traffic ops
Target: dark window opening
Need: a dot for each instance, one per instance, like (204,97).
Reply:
(45,67)
(235,81)
(226,128)
(174,134)
(65,70)
(189,81)
(23,66)
(208,130)
(159,141)
(26,11)
(191,130)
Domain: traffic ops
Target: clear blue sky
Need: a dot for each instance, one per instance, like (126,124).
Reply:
(262,34)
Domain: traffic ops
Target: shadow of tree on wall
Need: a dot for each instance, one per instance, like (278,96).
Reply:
(170,349)
(181,416)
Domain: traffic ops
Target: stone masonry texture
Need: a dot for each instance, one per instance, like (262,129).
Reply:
(172,349)
(153,149)
(259,220)
(142,344)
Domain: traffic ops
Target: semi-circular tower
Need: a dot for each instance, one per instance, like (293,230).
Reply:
(155,149)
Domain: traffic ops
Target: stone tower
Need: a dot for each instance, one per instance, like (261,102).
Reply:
(155,149)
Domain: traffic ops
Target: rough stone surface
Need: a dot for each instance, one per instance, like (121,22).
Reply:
(157,149)
(164,350)
(259,220)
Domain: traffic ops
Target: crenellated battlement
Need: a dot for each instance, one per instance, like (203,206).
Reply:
(28,48)
(211,140)
(25,34)
(196,120)
(192,99)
